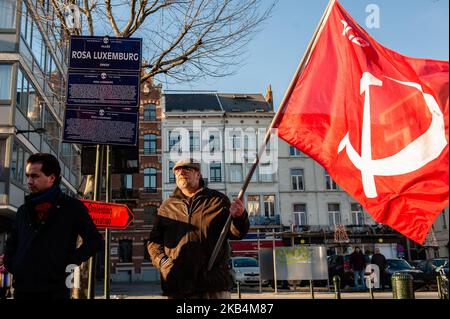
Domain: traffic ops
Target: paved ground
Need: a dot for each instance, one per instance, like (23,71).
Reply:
(153,291)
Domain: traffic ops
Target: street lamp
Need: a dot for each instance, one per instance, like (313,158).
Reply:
(39,130)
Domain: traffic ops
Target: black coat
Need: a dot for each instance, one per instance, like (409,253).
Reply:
(37,254)
(186,232)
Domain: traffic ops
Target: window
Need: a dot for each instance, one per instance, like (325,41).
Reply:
(174,140)
(253,208)
(5,81)
(250,142)
(330,184)
(255,175)
(25,90)
(14,164)
(127,181)
(125,251)
(293,151)
(52,129)
(235,142)
(300,214)
(236,173)
(334,214)
(149,214)
(146,254)
(171,174)
(265,172)
(215,172)
(269,205)
(214,142)
(8,14)
(150,180)
(20,165)
(149,112)
(297,179)
(194,141)
(357,214)
(149,144)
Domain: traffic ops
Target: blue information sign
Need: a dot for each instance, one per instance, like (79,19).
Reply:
(103,88)
(89,126)
(106,53)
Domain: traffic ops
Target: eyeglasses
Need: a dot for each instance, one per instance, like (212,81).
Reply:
(185,169)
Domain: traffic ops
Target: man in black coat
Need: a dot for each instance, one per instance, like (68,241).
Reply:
(358,265)
(43,239)
(379,260)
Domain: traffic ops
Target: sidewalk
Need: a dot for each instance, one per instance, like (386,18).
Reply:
(153,291)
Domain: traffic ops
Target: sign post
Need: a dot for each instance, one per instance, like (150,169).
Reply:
(102,106)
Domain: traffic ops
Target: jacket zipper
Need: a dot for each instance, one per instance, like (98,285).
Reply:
(189,220)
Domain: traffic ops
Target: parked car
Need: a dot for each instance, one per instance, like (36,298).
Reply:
(402,266)
(340,265)
(245,270)
(429,267)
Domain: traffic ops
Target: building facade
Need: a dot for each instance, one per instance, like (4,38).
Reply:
(223,131)
(32,89)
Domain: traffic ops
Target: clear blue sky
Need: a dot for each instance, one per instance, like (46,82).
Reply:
(418,28)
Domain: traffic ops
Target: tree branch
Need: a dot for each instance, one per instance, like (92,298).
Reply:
(111,18)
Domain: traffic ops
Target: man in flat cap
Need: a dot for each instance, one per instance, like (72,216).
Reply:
(184,235)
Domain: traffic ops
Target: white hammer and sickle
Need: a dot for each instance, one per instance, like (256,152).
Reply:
(415,155)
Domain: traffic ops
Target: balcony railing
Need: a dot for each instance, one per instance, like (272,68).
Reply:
(150,190)
(264,220)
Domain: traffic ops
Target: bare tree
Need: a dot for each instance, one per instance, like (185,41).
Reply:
(183,39)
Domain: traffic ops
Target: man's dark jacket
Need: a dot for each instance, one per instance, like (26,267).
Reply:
(186,232)
(37,253)
(357,261)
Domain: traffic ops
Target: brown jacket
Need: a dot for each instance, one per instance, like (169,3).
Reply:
(186,231)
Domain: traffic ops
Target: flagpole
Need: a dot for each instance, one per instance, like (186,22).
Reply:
(304,61)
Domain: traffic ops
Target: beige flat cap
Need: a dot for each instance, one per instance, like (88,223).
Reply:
(189,162)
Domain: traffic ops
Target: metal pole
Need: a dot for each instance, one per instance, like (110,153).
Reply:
(370,288)
(97,191)
(107,231)
(238,284)
(274,263)
(311,288)
(262,147)
(259,263)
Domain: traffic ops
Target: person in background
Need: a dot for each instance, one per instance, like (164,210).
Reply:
(379,260)
(358,265)
(5,280)
(44,235)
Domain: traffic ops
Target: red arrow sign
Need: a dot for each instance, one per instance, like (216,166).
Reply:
(108,215)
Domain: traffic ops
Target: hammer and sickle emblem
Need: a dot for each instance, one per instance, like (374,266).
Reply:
(417,154)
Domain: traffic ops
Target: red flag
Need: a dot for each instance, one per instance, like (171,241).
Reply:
(377,121)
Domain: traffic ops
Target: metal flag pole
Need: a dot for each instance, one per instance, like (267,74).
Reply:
(259,263)
(107,267)
(97,192)
(274,259)
(280,111)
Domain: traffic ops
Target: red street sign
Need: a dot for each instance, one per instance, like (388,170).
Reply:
(108,215)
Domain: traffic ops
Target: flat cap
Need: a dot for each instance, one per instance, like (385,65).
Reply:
(187,162)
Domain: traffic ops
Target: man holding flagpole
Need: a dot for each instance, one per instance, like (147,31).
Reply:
(185,232)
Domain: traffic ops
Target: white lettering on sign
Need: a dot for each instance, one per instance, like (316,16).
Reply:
(119,56)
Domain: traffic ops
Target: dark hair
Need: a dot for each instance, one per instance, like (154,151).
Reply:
(50,165)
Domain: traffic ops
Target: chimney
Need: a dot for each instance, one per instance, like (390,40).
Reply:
(269,96)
